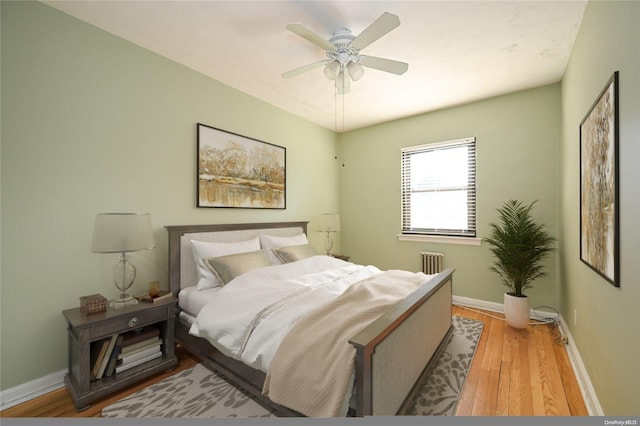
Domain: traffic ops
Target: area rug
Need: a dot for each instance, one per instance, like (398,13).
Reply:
(200,393)
(440,390)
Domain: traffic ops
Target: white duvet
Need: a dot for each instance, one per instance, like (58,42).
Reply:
(251,314)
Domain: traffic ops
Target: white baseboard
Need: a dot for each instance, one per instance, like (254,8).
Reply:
(30,390)
(584,382)
(588,393)
(478,304)
(496,307)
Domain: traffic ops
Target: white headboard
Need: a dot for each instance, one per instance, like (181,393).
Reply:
(182,265)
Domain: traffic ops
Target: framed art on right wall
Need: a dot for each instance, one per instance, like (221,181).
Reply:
(599,195)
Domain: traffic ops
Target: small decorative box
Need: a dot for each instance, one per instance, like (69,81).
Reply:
(93,304)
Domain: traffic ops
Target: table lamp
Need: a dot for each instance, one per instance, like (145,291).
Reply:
(122,233)
(329,223)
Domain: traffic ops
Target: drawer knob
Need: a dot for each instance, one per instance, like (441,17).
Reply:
(133,322)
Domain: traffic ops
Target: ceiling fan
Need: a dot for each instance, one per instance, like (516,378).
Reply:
(343,50)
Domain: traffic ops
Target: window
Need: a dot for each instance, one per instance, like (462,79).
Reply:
(439,189)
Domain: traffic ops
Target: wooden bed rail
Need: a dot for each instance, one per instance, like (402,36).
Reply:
(397,349)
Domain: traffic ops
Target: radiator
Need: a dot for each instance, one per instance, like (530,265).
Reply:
(431,262)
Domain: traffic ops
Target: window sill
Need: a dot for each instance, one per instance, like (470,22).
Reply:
(467,241)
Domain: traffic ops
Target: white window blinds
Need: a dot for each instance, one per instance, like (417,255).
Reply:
(439,188)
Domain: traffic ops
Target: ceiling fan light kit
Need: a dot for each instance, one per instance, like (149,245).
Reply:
(355,71)
(343,50)
(332,70)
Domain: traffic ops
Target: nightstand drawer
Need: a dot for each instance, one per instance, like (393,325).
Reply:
(129,322)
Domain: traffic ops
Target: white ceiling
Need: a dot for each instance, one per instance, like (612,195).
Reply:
(458,51)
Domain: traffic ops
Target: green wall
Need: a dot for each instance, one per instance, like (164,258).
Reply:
(92,123)
(517,144)
(607,330)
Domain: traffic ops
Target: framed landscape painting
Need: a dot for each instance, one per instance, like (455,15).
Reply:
(235,171)
(599,205)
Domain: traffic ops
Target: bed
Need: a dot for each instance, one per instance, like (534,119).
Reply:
(389,355)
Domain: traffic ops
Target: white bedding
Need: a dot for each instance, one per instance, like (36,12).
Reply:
(272,300)
(191,300)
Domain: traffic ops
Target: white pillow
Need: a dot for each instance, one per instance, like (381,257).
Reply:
(269,242)
(202,250)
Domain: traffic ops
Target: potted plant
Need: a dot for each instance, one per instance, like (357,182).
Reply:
(519,245)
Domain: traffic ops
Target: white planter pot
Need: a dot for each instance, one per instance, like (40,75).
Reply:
(516,310)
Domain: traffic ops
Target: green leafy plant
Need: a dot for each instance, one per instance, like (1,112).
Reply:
(519,245)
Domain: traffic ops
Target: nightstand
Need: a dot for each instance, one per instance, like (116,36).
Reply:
(86,333)
(340,256)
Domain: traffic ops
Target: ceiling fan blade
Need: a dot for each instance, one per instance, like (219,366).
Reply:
(385,23)
(305,68)
(311,36)
(382,64)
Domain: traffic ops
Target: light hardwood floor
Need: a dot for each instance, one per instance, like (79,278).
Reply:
(519,372)
(514,373)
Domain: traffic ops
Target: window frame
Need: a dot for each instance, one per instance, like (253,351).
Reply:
(460,236)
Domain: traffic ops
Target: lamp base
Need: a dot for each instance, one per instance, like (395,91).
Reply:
(122,302)
(328,243)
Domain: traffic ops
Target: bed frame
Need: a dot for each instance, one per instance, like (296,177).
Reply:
(393,353)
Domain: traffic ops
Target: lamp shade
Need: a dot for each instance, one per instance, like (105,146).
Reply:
(332,69)
(329,222)
(122,232)
(355,71)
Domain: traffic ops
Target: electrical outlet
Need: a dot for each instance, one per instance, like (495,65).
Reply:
(563,338)
(575,317)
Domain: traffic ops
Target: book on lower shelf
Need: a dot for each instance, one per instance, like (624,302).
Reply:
(98,353)
(129,358)
(107,356)
(111,365)
(101,353)
(140,346)
(124,367)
